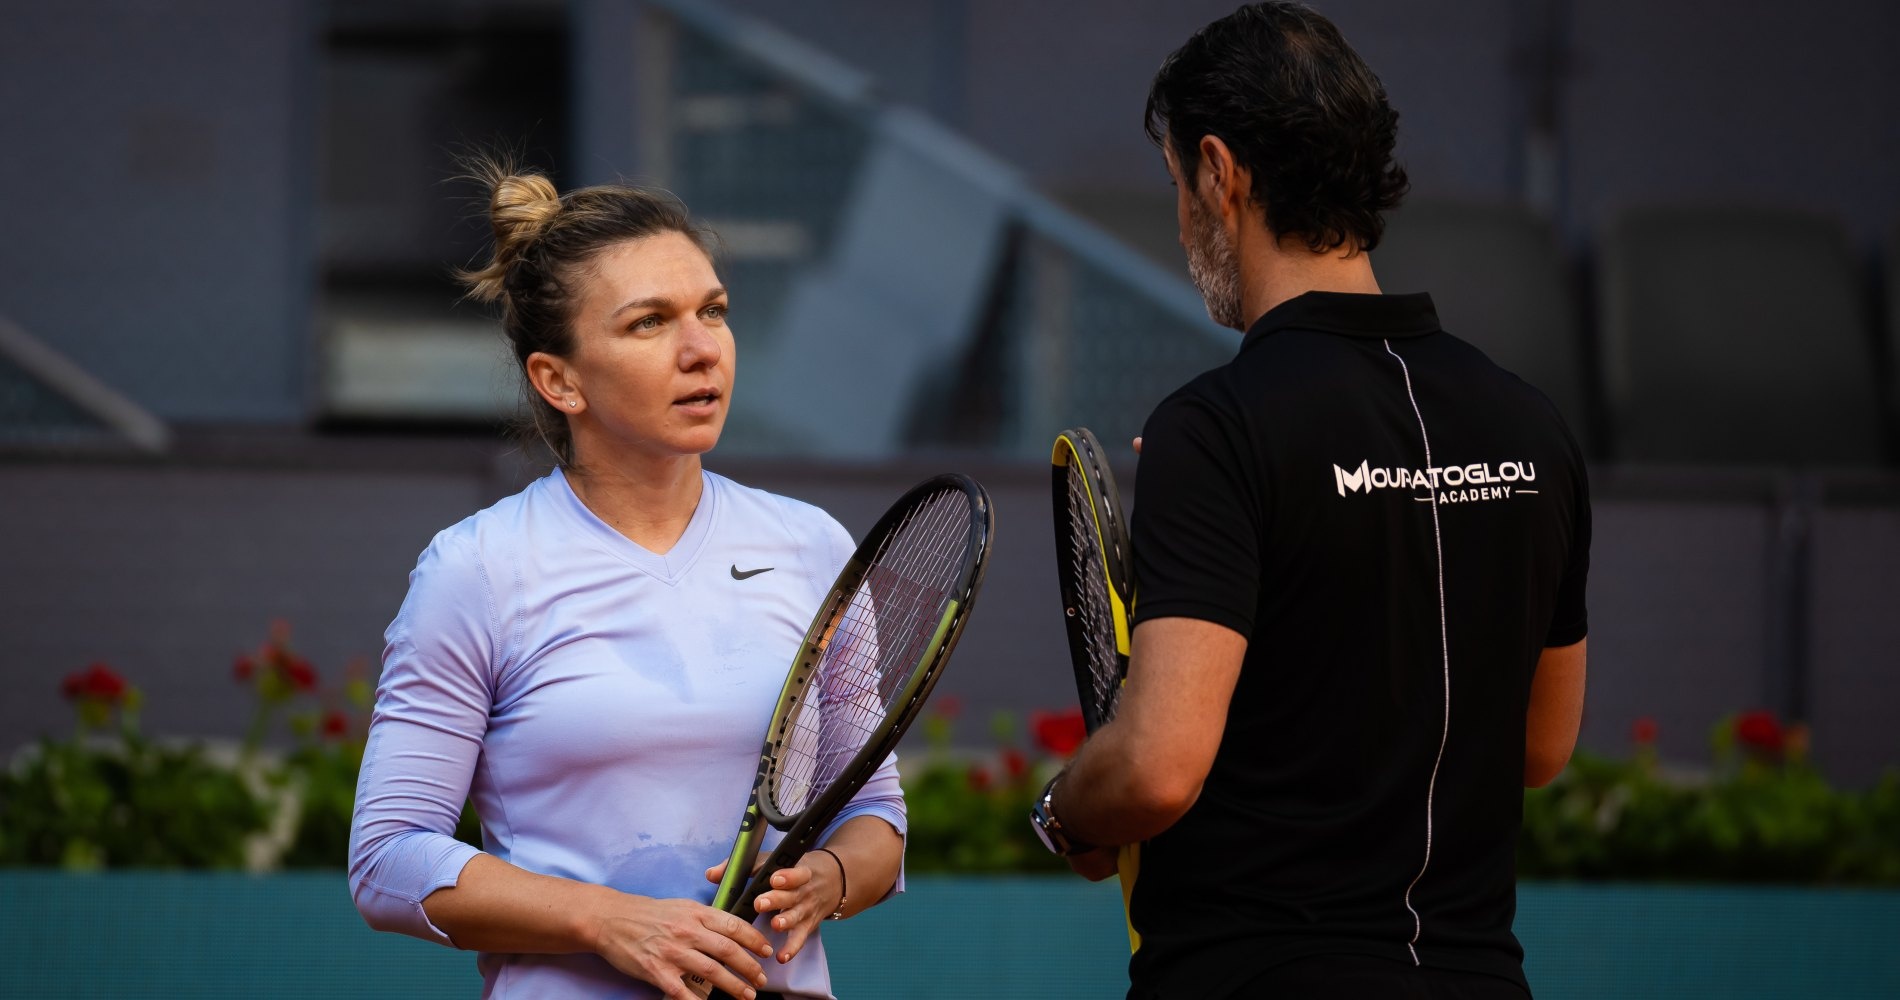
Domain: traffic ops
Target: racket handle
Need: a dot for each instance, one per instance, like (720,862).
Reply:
(788,853)
(705,990)
(741,907)
(761,882)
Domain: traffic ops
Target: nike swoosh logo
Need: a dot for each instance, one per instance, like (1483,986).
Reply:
(748,574)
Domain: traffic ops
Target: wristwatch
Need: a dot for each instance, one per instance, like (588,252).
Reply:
(1048,828)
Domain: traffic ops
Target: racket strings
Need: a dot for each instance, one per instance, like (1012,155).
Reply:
(1090,603)
(874,641)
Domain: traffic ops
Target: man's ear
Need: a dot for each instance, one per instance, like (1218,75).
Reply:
(1221,179)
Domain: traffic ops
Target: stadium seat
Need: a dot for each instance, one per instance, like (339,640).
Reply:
(1736,336)
(1499,280)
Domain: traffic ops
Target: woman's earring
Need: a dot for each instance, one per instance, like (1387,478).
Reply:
(571,403)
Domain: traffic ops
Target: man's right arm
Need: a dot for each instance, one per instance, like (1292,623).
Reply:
(1555,713)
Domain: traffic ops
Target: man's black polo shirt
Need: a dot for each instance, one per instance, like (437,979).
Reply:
(1399,527)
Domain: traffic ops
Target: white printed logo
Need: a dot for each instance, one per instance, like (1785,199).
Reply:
(1451,483)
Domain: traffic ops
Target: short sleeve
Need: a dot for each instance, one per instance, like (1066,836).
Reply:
(1195,530)
(1570,621)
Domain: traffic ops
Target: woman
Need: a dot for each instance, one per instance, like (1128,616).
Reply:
(594,659)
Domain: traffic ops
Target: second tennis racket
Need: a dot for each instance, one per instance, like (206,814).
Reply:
(870,658)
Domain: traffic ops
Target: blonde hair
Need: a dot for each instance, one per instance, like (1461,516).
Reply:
(544,241)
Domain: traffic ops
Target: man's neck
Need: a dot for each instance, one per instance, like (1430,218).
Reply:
(1278,272)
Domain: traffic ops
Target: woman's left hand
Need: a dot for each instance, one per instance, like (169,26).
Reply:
(800,898)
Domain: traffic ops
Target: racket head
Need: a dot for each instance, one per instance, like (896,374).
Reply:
(872,656)
(876,647)
(1092,569)
(953,514)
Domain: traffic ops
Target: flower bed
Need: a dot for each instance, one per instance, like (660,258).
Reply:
(108,797)
(1760,813)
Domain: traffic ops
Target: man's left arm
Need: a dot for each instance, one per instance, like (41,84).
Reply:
(1140,773)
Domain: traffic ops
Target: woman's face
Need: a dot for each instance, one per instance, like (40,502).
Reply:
(651,370)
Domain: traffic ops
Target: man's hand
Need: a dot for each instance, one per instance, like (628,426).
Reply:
(1096,863)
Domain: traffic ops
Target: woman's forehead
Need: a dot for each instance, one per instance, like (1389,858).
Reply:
(665,265)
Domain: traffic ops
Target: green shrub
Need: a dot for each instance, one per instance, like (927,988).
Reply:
(109,798)
(1760,814)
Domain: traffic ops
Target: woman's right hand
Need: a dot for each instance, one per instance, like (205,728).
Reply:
(661,941)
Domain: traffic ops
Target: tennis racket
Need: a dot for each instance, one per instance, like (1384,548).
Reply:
(1092,567)
(870,658)
(1092,557)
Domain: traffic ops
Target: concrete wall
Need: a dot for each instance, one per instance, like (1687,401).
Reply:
(1703,99)
(1707,100)
(224,936)
(157,170)
(162,158)
(1057,88)
(168,573)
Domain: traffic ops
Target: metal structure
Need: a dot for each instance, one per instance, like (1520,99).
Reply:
(47,401)
(897,287)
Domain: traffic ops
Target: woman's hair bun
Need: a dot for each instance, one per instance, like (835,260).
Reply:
(521,207)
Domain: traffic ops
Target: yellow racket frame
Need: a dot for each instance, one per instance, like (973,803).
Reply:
(1064,453)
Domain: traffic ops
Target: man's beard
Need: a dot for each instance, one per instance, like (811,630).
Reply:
(1213,266)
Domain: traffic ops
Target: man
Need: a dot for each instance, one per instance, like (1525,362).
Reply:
(1360,551)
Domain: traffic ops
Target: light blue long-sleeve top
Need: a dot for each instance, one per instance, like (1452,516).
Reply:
(601,704)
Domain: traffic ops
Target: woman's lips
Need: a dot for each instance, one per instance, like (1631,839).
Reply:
(702,401)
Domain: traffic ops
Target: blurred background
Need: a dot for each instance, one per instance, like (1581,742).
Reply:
(237,386)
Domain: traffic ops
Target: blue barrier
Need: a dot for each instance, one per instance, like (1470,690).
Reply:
(208,935)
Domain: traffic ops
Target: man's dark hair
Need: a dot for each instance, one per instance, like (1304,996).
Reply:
(1278,84)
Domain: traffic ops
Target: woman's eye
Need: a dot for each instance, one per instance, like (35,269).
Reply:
(647,323)
(715,311)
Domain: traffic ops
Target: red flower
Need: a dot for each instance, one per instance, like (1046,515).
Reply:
(949,706)
(95,683)
(1644,731)
(1014,763)
(243,667)
(1060,733)
(1759,730)
(979,778)
(335,725)
(300,673)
